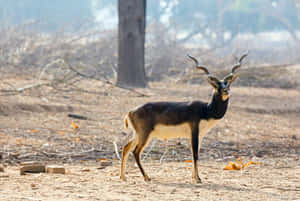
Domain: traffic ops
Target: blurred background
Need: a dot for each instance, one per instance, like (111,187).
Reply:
(84,33)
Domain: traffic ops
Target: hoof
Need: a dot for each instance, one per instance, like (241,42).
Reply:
(147,179)
(123,178)
(197,181)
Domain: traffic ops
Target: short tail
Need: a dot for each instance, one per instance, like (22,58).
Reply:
(126,119)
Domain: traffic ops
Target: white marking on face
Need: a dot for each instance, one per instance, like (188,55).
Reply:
(225,97)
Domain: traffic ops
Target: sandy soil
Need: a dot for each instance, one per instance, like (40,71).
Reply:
(170,181)
(261,125)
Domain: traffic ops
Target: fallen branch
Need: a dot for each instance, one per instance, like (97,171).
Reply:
(116,150)
(75,116)
(22,89)
(107,82)
(165,152)
(72,154)
(31,86)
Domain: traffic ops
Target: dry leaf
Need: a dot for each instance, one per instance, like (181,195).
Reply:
(239,161)
(69,172)
(18,140)
(227,167)
(101,159)
(34,131)
(236,166)
(239,165)
(60,132)
(75,126)
(77,139)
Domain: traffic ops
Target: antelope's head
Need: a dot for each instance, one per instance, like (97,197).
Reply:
(221,87)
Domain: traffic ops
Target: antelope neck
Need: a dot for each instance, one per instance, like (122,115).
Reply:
(217,107)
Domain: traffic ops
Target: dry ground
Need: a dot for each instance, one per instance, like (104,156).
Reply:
(261,125)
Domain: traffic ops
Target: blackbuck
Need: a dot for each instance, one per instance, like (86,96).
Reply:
(166,120)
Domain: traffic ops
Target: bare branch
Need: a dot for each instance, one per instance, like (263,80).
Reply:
(107,82)
(116,150)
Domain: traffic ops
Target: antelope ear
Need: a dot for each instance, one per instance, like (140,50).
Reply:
(230,78)
(234,78)
(213,81)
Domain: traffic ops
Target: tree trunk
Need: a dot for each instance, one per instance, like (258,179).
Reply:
(131,70)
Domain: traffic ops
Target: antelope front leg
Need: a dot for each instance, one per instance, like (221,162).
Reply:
(195,151)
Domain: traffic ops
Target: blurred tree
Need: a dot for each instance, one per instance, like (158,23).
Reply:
(213,18)
(131,70)
(206,17)
(264,15)
(157,9)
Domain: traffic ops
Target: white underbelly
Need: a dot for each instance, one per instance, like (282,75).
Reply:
(181,131)
(171,131)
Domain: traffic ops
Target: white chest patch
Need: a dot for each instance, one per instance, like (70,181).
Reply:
(205,126)
(182,130)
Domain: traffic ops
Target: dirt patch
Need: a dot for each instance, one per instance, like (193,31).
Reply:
(170,181)
(261,125)
(7,109)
